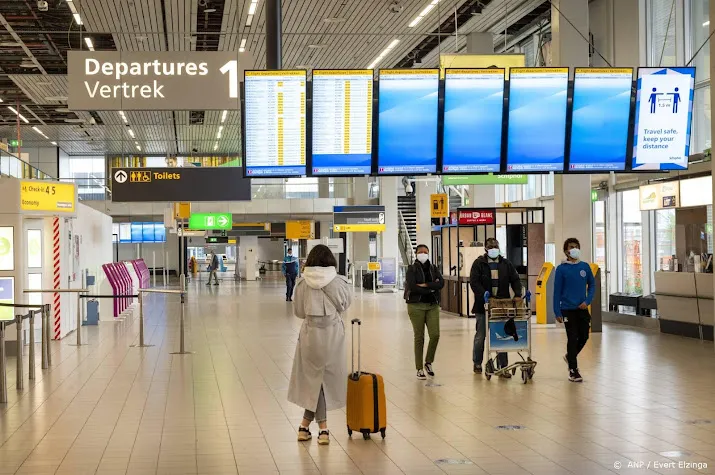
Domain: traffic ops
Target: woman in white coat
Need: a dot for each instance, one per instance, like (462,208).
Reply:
(318,382)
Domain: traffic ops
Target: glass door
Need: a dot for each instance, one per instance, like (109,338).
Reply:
(599,247)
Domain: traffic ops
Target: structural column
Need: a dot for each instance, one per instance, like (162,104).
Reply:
(712,96)
(360,242)
(274,30)
(572,193)
(388,198)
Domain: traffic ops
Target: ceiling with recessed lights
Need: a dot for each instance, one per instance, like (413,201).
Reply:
(316,34)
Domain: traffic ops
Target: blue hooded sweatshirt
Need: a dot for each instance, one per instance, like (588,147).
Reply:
(573,285)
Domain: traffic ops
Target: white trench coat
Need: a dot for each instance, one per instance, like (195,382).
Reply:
(320,298)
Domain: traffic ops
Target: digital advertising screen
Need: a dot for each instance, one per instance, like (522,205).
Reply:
(342,122)
(408,118)
(601,115)
(159,232)
(274,118)
(664,114)
(538,100)
(473,117)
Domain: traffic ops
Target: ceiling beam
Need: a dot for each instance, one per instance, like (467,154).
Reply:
(24,47)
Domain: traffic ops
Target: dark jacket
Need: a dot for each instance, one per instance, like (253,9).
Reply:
(416,275)
(214,263)
(480,280)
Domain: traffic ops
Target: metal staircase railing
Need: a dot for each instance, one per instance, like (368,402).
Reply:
(405,243)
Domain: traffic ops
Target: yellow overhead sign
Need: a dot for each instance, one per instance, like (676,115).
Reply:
(358,228)
(299,230)
(373,266)
(440,205)
(182,210)
(462,61)
(54,197)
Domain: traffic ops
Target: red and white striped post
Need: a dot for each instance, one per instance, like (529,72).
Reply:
(56,331)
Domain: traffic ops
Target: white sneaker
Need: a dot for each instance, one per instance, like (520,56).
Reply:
(421,374)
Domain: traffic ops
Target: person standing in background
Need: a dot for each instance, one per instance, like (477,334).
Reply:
(494,274)
(290,271)
(213,268)
(574,288)
(423,285)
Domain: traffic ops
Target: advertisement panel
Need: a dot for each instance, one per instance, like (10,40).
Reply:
(7,295)
(387,274)
(660,195)
(664,113)
(476,216)
(7,248)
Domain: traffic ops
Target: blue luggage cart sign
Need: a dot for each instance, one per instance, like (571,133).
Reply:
(500,341)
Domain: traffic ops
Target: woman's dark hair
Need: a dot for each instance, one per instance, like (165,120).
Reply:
(571,241)
(321,256)
(422,246)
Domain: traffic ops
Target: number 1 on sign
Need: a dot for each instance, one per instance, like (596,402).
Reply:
(232,68)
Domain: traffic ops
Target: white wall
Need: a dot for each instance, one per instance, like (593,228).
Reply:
(43,158)
(269,250)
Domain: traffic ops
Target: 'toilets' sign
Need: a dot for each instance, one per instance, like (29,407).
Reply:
(166,80)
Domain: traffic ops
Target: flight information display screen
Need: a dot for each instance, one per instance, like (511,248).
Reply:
(408,117)
(664,115)
(473,117)
(601,114)
(342,122)
(275,123)
(538,100)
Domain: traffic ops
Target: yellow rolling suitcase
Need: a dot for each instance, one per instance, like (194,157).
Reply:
(366,409)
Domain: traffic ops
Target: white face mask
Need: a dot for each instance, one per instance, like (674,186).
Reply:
(422,258)
(493,253)
(575,253)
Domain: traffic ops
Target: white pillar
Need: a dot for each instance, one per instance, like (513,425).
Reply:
(712,96)
(249,256)
(572,193)
(360,241)
(388,198)
(423,190)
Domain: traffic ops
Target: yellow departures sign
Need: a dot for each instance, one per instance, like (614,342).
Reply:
(47,196)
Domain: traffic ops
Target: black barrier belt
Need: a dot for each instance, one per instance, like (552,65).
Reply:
(85,296)
(21,305)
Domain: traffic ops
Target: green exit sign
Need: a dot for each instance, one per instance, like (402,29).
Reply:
(16,143)
(594,196)
(211,221)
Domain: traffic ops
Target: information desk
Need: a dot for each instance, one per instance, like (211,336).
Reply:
(685,304)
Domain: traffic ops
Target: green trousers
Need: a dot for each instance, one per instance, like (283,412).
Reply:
(424,315)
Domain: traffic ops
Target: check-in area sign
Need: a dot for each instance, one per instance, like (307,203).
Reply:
(161,80)
(180,184)
(47,196)
(211,221)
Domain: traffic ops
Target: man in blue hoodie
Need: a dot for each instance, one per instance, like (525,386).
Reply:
(290,271)
(574,287)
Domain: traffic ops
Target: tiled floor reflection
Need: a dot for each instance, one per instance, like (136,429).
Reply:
(107,408)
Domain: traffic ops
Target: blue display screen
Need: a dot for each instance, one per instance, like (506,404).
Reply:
(601,113)
(275,118)
(473,117)
(408,117)
(137,232)
(159,232)
(148,232)
(538,100)
(664,115)
(342,122)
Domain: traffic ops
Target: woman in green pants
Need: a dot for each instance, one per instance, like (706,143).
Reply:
(423,285)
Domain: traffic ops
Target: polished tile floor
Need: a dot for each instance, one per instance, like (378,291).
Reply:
(647,404)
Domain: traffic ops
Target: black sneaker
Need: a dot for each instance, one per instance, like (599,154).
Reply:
(421,374)
(430,371)
(575,376)
(477,369)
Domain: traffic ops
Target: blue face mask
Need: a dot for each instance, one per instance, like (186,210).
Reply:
(493,253)
(575,253)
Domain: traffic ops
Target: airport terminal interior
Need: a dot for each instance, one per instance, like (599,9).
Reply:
(356,237)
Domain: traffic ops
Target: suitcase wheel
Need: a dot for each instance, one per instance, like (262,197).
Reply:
(382,432)
(366,435)
(350,432)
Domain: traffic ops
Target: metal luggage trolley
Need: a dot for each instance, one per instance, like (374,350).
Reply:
(498,312)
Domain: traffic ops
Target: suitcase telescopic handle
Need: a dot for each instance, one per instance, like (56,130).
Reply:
(352,352)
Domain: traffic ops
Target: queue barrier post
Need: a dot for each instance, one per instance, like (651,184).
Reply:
(47,335)
(45,343)
(31,344)
(182,324)
(79,293)
(3,365)
(140,298)
(19,379)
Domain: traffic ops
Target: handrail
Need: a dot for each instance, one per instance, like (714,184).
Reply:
(404,237)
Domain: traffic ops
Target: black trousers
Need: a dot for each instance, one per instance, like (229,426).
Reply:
(290,283)
(578,325)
